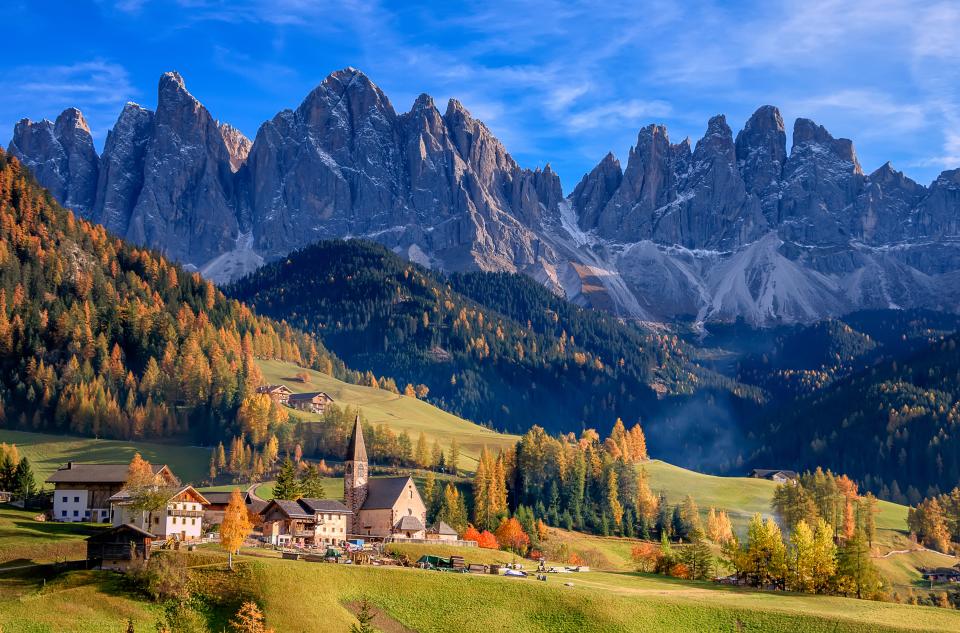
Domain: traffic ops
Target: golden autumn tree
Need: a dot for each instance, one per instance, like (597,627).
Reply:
(235,527)
(510,536)
(249,619)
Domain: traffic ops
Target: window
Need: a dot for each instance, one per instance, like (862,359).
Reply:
(193,521)
(76,513)
(156,520)
(76,499)
(64,499)
(63,513)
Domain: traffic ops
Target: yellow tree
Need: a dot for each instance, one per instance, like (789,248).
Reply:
(249,619)
(235,527)
(647,502)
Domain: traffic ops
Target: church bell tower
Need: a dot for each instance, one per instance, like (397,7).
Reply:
(355,475)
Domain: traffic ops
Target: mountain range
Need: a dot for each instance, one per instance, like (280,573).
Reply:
(732,227)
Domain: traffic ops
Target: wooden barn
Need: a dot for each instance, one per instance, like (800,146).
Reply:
(119,547)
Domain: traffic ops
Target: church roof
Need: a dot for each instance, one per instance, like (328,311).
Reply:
(442,528)
(356,450)
(383,492)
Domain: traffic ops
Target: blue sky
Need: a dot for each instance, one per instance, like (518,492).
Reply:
(559,82)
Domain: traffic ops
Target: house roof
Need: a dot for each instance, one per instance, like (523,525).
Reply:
(356,450)
(442,528)
(408,523)
(325,505)
(383,492)
(307,396)
(273,389)
(767,473)
(124,495)
(74,473)
(306,508)
(126,527)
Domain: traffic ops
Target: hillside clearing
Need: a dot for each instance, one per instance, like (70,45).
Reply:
(400,413)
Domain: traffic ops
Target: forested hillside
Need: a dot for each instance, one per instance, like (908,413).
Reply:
(894,425)
(101,338)
(495,348)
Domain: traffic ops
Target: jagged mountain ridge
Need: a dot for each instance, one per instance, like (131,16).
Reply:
(729,228)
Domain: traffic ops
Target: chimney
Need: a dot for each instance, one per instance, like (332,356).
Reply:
(69,465)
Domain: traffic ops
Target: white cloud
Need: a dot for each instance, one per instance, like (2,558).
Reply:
(618,113)
(97,87)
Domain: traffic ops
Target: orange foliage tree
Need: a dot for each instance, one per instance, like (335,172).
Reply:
(510,536)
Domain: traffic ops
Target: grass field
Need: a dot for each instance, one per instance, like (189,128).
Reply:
(23,540)
(398,412)
(298,596)
(48,452)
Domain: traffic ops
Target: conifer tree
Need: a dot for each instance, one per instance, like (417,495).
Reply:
(235,527)
(288,485)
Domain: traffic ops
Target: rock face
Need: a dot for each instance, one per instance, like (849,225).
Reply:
(62,157)
(727,228)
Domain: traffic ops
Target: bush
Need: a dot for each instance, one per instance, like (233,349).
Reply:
(162,578)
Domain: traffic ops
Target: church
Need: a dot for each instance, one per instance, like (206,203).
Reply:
(383,507)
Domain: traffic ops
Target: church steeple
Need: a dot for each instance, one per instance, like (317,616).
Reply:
(355,474)
(356,450)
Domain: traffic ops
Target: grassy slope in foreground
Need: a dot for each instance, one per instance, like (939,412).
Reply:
(48,452)
(398,412)
(433,602)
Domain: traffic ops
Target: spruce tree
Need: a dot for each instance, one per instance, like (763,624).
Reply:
(287,486)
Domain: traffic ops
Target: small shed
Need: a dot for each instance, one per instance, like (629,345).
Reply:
(119,547)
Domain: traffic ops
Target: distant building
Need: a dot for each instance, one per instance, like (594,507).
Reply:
(440,531)
(314,402)
(382,507)
(779,476)
(218,502)
(119,547)
(941,574)
(82,491)
(277,393)
(180,519)
(306,522)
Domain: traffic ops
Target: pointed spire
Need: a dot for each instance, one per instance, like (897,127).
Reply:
(356,450)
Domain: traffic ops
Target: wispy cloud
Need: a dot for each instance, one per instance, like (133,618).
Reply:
(99,88)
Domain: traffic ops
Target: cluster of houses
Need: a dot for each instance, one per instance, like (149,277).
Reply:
(381,508)
(312,402)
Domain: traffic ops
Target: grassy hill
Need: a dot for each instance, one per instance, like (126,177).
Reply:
(399,412)
(430,602)
(48,452)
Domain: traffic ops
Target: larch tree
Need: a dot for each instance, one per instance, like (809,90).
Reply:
(249,619)
(801,558)
(236,526)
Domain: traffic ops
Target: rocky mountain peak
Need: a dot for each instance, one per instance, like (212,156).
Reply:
(761,149)
(806,132)
(62,157)
(238,145)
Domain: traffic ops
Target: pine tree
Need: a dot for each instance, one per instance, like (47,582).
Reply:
(311,483)
(454,461)
(613,497)
(453,511)
(801,558)
(422,452)
(697,556)
(287,486)
(24,485)
(824,557)
(856,573)
(364,623)
(647,503)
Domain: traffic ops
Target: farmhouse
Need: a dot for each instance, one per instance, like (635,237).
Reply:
(180,519)
(305,522)
(941,574)
(314,402)
(218,502)
(779,476)
(119,547)
(82,491)
(384,507)
(277,393)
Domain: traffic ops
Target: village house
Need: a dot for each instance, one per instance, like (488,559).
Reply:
(218,501)
(119,547)
(779,476)
(384,507)
(314,402)
(440,531)
(82,491)
(305,522)
(941,574)
(180,519)
(277,393)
